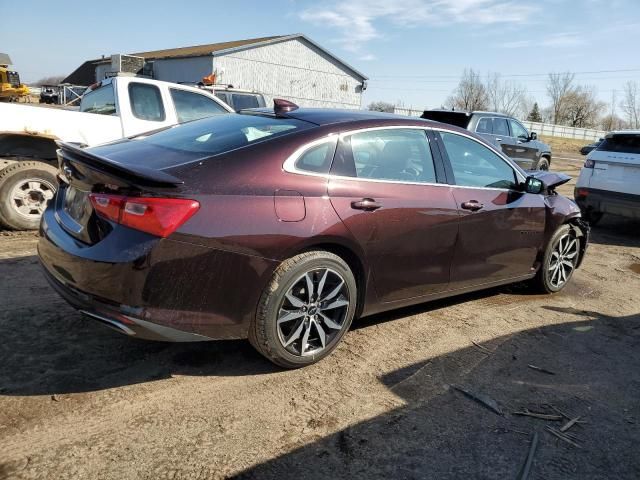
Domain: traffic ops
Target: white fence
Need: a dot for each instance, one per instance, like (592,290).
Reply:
(548,129)
(552,130)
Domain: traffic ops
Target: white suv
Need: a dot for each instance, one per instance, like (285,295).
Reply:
(609,182)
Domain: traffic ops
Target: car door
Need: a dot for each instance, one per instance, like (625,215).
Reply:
(392,196)
(502,136)
(525,152)
(501,227)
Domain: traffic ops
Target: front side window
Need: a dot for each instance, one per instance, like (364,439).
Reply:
(388,154)
(194,106)
(518,130)
(475,165)
(146,102)
(101,101)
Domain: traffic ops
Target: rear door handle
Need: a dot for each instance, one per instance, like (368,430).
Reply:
(366,204)
(472,205)
(498,139)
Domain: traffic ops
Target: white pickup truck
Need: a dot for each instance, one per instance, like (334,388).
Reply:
(112,109)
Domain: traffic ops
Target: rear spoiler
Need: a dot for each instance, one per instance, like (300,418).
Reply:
(133,173)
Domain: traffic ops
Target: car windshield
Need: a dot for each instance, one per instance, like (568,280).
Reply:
(220,134)
(623,143)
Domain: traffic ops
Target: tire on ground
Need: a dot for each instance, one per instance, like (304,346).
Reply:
(542,281)
(13,175)
(263,333)
(543,164)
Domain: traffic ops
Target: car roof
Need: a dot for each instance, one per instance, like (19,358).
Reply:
(470,112)
(328,116)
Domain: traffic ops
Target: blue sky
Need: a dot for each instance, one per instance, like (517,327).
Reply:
(414,50)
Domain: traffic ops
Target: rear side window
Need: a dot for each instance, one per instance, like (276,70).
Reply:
(500,127)
(223,133)
(146,102)
(485,125)
(242,101)
(624,143)
(317,159)
(388,154)
(194,106)
(101,101)
(475,165)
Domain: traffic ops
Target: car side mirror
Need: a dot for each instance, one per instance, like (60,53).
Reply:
(533,185)
(533,136)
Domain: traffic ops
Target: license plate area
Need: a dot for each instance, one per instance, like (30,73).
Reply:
(76,204)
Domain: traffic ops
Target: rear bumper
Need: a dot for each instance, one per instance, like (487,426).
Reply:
(625,204)
(152,288)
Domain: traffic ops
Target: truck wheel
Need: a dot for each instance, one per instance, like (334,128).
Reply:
(25,190)
(543,164)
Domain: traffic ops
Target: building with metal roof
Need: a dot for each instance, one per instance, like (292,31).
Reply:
(293,67)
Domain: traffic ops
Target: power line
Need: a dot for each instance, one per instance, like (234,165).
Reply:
(510,75)
(454,81)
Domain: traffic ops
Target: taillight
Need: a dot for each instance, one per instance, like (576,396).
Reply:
(157,216)
(581,192)
(589,163)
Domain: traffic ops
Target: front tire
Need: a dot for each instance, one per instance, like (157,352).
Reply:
(305,310)
(559,262)
(543,164)
(25,190)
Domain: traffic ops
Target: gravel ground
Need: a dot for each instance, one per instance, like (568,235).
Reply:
(80,401)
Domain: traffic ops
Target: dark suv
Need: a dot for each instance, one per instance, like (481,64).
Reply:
(504,132)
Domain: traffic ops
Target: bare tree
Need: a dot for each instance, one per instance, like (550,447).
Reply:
(381,107)
(504,96)
(581,108)
(470,94)
(612,122)
(558,87)
(631,103)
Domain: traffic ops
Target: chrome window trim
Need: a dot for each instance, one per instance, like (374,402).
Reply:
(289,164)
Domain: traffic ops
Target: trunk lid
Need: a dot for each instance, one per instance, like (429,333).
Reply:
(617,164)
(459,119)
(83,172)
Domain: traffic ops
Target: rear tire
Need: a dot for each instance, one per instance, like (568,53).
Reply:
(560,259)
(25,190)
(301,318)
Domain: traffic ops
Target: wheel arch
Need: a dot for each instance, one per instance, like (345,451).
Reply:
(31,147)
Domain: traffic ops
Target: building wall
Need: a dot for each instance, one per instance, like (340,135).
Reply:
(294,70)
(178,70)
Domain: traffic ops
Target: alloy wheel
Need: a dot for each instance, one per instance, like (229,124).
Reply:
(313,312)
(563,260)
(30,197)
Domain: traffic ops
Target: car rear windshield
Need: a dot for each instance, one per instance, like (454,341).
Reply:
(224,133)
(624,143)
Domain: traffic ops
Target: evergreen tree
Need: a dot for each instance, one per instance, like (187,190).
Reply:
(534,115)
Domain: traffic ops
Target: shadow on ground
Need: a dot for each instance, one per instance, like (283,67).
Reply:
(441,433)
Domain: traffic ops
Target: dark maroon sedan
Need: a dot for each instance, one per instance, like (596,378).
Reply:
(282,225)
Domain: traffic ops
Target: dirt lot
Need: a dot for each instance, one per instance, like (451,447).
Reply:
(80,401)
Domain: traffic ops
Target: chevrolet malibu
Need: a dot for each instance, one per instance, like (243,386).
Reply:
(283,225)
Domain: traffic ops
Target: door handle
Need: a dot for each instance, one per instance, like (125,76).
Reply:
(472,205)
(366,204)
(498,139)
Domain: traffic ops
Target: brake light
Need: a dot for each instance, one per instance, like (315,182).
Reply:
(157,216)
(581,192)
(589,164)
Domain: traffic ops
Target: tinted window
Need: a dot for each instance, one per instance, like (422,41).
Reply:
(223,133)
(101,101)
(222,96)
(500,127)
(193,106)
(317,159)
(146,102)
(394,154)
(241,101)
(475,165)
(485,125)
(621,144)
(518,130)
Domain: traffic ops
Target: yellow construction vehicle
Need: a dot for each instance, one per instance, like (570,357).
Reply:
(10,87)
